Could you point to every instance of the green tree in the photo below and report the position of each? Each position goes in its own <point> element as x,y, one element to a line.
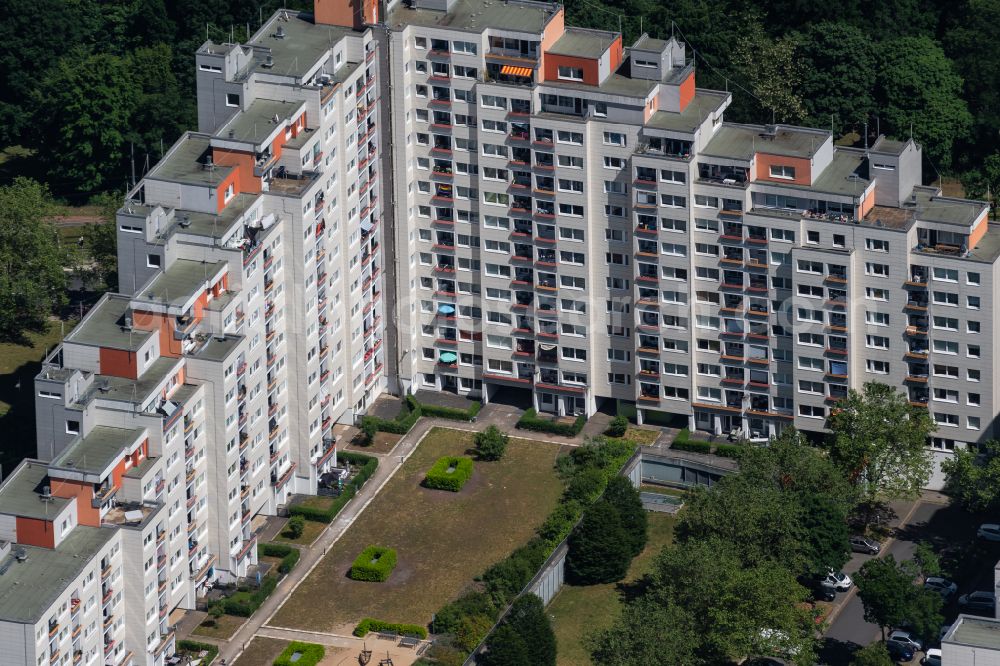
<point>838,74</point>
<point>890,598</point>
<point>771,69</point>
<point>32,279</point>
<point>618,427</point>
<point>101,242</point>
<point>918,88</point>
<point>84,105</point>
<point>984,182</point>
<point>825,537</point>
<point>599,548</point>
<point>528,618</point>
<point>972,477</point>
<point>879,442</point>
<point>368,427</point>
<point>926,560</point>
<point>296,526</point>
<point>624,497</point>
<point>491,443</point>
<point>874,654</point>
<point>723,610</point>
<point>505,648</point>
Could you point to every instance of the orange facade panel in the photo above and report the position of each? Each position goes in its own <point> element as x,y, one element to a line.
<point>36,532</point>
<point>801,168</point>
<point>119,363</point>
<point>589,67</point>
<point>687,90</point>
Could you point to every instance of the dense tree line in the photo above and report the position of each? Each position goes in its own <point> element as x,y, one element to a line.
<point>895,64</point>
<point>90,84</point>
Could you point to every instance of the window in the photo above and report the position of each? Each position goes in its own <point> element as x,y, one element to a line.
<point>783,235</point>
<point>942,419</point>
<point>232,99</point>
<point>876,245</point>
<point>877,318</point>
<point>877,367</point>
<point>72,427</point>
<point>563,136</point>
<point>812,237</point>
<point>972,278</point>
<point>877,270</point>
<point>668,176</point>
<point>614,163</point>
<point>945,274</point>
<point>779,171</point>
<point>945,395</point>
<point>614,139</point>
<point>703,201</point>
<point>811,411</point>
<point>972,302</point>
<point>153,260</point>
<point>570,162</point>
<point>672,201</point>
<point>571,73</point>
<point>874,294</point>
<point>945,298</point>
<point>876,342</point>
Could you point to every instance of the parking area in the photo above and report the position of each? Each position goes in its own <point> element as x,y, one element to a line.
<point>965,560</point>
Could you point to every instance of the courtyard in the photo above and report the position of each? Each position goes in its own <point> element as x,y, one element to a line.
<point>442,539</point>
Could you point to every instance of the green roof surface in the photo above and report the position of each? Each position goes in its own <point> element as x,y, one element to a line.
<point>28,589</point>
<point>185,163</point>
<point>101,447</point>
<point>19,494</point>
<point>104,326</point>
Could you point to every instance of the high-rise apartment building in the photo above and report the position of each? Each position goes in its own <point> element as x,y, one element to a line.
<point>575,220</point>
<point>562,217</point>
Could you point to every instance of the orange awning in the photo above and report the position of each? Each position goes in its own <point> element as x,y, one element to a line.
<point>511,70</point>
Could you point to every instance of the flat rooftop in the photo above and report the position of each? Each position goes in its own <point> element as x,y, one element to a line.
<point>704,104</point>
<point>185,163</point>
<point>256,123</point>
<point>209,225</point>
<point>131,514</point>
<point>988,248</point>
<point>615,84</point>
<point>104,326</point>
<point>647,43</point>
<point>975,631</point>
<point>583,43</point>
<point>478,15</point>
<point>134,391</point>
<point>215,349</point>
<point>28,589</point>
<point>19,494</point>
<point>98,449</point>
<point>888,146</point>
<point>740,142</point>
<point>303,45</point>
<point>947,210</point>
<point>180,282</point>
<point>847,174</point>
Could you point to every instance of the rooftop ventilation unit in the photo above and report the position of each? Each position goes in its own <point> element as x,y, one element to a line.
<point>279,33</point>
<point>268,61</point>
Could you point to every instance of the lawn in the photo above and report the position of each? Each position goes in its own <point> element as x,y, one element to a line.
<point>262,651</point>
<point>383,442</point>
<point>222,628</point>
<point>310,533</point>
<point>578,611</point>
<point>20,363</point>
<point>442,540</point>
<point>642,436</point>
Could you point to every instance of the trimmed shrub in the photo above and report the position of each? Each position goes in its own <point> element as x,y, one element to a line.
<point>296,526</point>
<point>530,421</point>
<point>371,624</point>
<point>367,465</point>
<point>728,450</point>
<point>245,603</point>
<point>449,473</point>
<point>505,579</point>
<point>560,522</point>
<point>289,555</point>
<point>473,603</point>
<point>310,654</point>
<point>692,445</point>
<point>195,648</point>
<point>374,564</point>
<point>618,427</point>
<point>491,443</point>
<point>445,412</point>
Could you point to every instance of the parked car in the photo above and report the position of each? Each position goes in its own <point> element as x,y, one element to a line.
<point>899,651</point>
<point>978,602</point>
<point>942,586</point>
<point>860,544</point>
<point>823,590</point>
<point>989,532</point>
<point>839,580</point>
<point>932,658</point>
<point>907,638</point>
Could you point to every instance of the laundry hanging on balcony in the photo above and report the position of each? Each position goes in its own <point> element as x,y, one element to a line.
<point>446,309</point>
<point>546,347</point>
<point>511,70</point>
<point>448,357</point>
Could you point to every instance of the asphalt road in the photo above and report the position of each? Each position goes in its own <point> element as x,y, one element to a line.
<point>941,524</point>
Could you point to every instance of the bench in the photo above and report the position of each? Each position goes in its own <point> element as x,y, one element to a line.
<point>388,635</point>
<point>409,641</point>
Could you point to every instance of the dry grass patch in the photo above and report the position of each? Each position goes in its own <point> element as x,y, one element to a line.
<point>310,533</point>
<point>442,540</point>
<point>222,629</point>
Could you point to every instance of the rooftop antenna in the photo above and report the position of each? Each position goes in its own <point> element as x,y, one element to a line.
<point>132,160</point>
<point>866,136</point>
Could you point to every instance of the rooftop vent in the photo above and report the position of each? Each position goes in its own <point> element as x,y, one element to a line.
<point>268,61</point>
<point>279,33</point>
<point>127,325</point>
<point>185,222</point>
<point>46,493</point>
<point>209,165</point>
<point>21,555</point>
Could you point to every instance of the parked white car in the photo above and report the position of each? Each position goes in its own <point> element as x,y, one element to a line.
<point>942,586</point>
<point>932,658</point>
<point>841,581</point>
